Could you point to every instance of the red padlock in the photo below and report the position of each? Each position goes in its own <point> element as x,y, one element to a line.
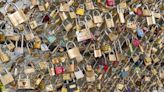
<point>105,68</point>
<point>110,2</point>
<point>59,70</point>
<point>136,42</point>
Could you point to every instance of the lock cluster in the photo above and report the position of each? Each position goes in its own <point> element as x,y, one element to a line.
<point>81,46</point>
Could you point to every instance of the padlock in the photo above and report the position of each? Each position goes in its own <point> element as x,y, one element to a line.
<point>29,36</point>
<point>71,67</point>
<point>110,2</point>
<point>148,61</point>
<point>112,56</point>
<point>34,2</point>
<point>51,38</point>
<point>63,16</point>
<point>43,65</point>
<point>89,5</point>
<point>71,86</point>
<point>146,11</point>
<point>24,83</point>
<point>2,36</point>
<point>18,17</point>
<point>150,20</point>
<point>6,78</point>
<point>121,14</point>
<point>89,21</point>
<point>59,69</point>
<point>123,5</point>
<point>140,32</point>
<point>72,13</point>
<point>14,37</point>
<point>80,10</point>
<point>4,57</point>
<point>109,20</point>
<point>66,76</point>
<point>64,7</point>
<point>131,23</point>
<point>67,25</point>
<point>19,50</point>
<point>51,70</point>
<point>29,69</point>
<point>44,47</point>
<point>161,73</point>
<point>112,36</point>
<point>10,45</point>
<point>49,88</point>
<point>79,74</point>
<point>39,79</point>
<point>33,24</point>
<point>83,34</point>
<point>73,52</point>
<point>97,18</point>
<point>97,52</point>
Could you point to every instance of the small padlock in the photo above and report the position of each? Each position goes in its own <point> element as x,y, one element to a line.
<point>97,52</point>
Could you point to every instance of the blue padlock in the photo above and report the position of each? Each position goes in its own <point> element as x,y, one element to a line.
<point>140,32</point>
<point>51,38</point>
<point>124,74</point>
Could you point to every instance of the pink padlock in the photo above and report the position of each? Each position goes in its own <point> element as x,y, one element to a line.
<point>110,2</point>
<point>136,42</point>
<point>59,70</point>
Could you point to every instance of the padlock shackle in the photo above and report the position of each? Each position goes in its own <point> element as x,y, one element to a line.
<point>70,42</point>
<point>88,16</point>
<point>10,4</point>
<point>106,16</point>
<point>107,31</point>
<point>96,13</point>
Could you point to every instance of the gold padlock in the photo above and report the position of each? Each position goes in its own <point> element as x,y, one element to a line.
<point>109,20</point>
<point>80,10</point>
<point>97,18</point>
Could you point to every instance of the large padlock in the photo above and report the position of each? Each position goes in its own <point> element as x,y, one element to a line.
<point>97,18</point>
<point>17,17</point>
<point>24,83</point>
<point>80,10</point>
<point>73,52</point>
<point>7,78</point>
<point>109,20</point>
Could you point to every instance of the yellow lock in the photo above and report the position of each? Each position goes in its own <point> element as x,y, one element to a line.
<point>80,10</point>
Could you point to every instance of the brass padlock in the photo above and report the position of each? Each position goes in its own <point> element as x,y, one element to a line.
<point>131,23</point>
<point>4,57</point>
<point>10,46</point>
<point>2,36</point>
<point>17,17</point>
<point>89,5</point>
<point>112,36</point>
<point>63,16</point>
<point>73,52</point>
<point>64,7</point>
